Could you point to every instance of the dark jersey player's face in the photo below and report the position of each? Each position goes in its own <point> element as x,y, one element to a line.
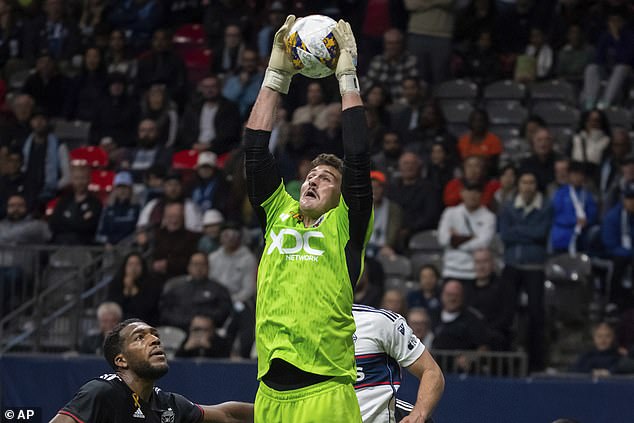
<point>320,191</point>
<point>143,352</point>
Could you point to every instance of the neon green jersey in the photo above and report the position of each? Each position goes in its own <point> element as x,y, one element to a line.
<point>304,293</point>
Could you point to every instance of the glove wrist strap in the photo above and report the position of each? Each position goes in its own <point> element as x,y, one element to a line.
<point>348,83</point>
<point>277,80</point>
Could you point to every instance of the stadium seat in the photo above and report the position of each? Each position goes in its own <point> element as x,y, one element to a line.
<point>571,276</point>
<point>171,339</point>
<point>421,259</point>
<point>18,78</point>
<point>504,91</point>
<point>71,132</point>
<point>505,132</point>
<point>188,36</point>
<point>425,241</point>
<point>562,136</point>
<point>101,183</point>
<point>50,206</point>
<point>557,114</point>
<point>515,148</point>
<point>457,89</point>
<point>457,112</point>
<point>619,117</point>
<point>198,62</point>
<point>95,157</point>
<point>185,159</point>
<point>399,266</point>
<point>511,114</point>
<point>554,89</point>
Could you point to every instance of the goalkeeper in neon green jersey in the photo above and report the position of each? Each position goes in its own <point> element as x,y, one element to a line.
<point>313,254</point>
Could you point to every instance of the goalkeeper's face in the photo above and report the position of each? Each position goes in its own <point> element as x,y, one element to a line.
<point>320,191</point>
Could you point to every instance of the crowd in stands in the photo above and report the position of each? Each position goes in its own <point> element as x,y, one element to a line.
<point>162,89</point>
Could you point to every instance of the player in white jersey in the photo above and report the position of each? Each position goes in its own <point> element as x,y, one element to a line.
<point>383,343</point>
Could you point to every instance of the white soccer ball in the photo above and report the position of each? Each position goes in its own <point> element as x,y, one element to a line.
<point>312,46</point>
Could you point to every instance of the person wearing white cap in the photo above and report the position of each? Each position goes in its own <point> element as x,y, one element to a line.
<point>210,191</point>
<point>210,241</point>
<point>118,219</point>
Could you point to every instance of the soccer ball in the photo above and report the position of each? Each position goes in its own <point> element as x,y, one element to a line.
<point>312,46</point>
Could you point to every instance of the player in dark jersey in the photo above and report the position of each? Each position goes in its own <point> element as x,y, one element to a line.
<point>133,349</point>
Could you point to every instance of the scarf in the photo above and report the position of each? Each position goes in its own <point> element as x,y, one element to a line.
<point>51,163</point>
<point>577,203</point>
<point>380,224</point>
<point>626,239</point>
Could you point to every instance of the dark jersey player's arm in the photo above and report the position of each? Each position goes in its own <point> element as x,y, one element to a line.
<point>263,176</point>
<point>356,186</point>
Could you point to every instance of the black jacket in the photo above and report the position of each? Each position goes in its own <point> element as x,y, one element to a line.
<point>227,124</point>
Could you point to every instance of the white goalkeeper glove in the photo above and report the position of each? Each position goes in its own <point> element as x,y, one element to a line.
<point>346,70</point>
<point>280,71</point>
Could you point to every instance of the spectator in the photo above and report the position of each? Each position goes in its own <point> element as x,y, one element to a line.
<point>118,59</point>
<point>173,243</point>
<point>46,85</point>
<point>45,160</point>
<point>108,316</point>
<point>481,61</point>
<point>542,160</point>
<point>153,182</point>
<point>494,298</point>
<point>573,57</point>
<point>138,19</point>
<point>615,193</point>
<point>218,16</point>
<point>163,65</point>
<point>148,150</point>
<point>427,295</point>
<point>431,128</point>
<point>376,100</point>
<point>441,168</point>
<point>613,163</point>
<point>86,89</point>
<point>614,59</point>
<point>152,213</point>
<point>16,127</point>
<point>135,290</point>
<point>211,190</point>
<point>525,140</point>
<point>429,32</point>
<point>419,320</point>
<point>617,233</point>
<point>603,357</point>
<point>210,122</point>
<point>478,17</point>
<point>415,196</point>
<point>542,53</point>
<point>369,289</point>
<point>387,219</point>
<point>185,296</point>
<point>203,340</point>
<point>116,116</point>
<point>53,32</point>
<point>228,55</point>
<point>387,159</point>
<point>524,225</point>
<point>158,107</point>
<point>312,111</point>
<point>325,134</point>
<point>508,185</point>
<point>93,16</point>
<point>118,219</point>
<point>479,141</point>
<point>462,230</point>
<point>233,264</point>
<point>276,18</point>
<point>12,31</point>
<point>574,210</point>
<point>561,177</point>
<point>76,214</point>
<point>459,327</point>
<point>12,181</point>
<point>473,171</point>
<point>392,66</point>
<point>404,113</point>
<point>394,300</point>
<point>242,88</point>
<point>591,141</point>
<point>210,240</point>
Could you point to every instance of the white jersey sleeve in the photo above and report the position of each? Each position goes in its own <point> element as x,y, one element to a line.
<point>401,344</point>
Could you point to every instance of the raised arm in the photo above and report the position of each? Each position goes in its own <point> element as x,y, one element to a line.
<point>228,412</point>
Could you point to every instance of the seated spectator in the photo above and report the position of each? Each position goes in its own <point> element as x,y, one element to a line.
<point>615,193</point>
<point>243,87</point>
<point>173,243</point>
<point>394,300</point>
<point>211,190</point>
<point>137,18</point>
<point>508,179</point>
<point>479,141</point>
<point>210,121</point>
<point>481,60</point>
<point>203,340</point>
<point>45,160</point>
<point>603,357</point>
<point>116,116</point>
<point>393,65</point>
<point>54,31</point>
<point>16,125</point>
<point>527,132</point>
<point>152,213</point>
<point>325,135</point>
<point>119,217</point>
<point>574,210</point>
<point>386,160</point>
<point>431,128</point>
<point>591,141</point>
<point>147,152</point>
<point>233,264</point>
<point>387,219</point>
<point>415,196</point>
<point>573,57</point>
<point>118,58</point>
<point>228,53</point>
<point>275,19</point>
<point>13,29</point>
<point>369,289</point>
<point>427,295</point>
<point>473,173</point>
<point>542,53</point>
<point>158,106</point>
<point>12,180</point>
<point>163,65</point>
<point>441,167</point>
<point>543,157</point>
<point>613,61</point>
<point>377,101</point>
<point>93,16</point>
<point>472,20</point>
<point>613,163</point>
<point>462,230</point>
<point>109,314</point>
<point>312,111</point>
<point>210,239</point>
<point>87,89</point>
<point>617,233</point>
<point>494,298</point>
<point>47,85</point>
<point>561,177</point>
<point>135,290</point>
<point>195,293</point>
<point>405,113</point>
<point>76,215</point>
<point>152,186</point>
<point>524,225</point>
<point>419,320</point>
<point>459,327</point>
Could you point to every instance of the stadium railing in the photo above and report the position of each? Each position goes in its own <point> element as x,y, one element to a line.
<point>482,363</point>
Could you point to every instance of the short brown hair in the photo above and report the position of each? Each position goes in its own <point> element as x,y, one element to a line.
<point>328,160</point>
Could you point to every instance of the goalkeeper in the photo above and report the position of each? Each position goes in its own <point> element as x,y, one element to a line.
<point>313,254</point>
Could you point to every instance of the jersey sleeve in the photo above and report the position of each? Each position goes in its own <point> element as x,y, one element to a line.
<point>190,412</point>
<point>401,344</point>
<point>90,404</point>
<point>275,203</point>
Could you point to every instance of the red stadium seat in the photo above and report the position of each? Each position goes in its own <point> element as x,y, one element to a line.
<point>101,183</point>
<point>198,63</point>
<point>95,157</point>
<point>189,35</point>
<point>185,159</point>
<point>50,206</point>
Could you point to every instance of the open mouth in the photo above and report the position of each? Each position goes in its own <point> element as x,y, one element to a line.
<point>158,352</point>
<point>310,194</point>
